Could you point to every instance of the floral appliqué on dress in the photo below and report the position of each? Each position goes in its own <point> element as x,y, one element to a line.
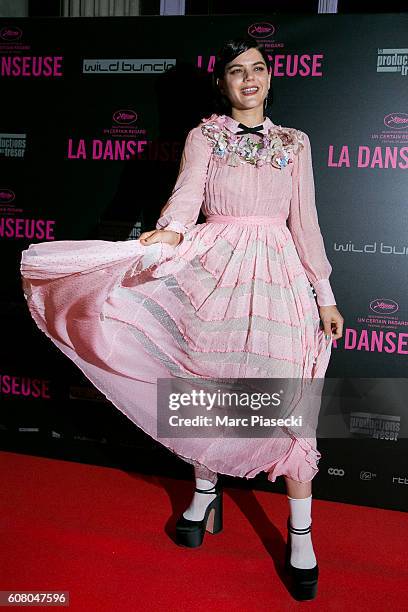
<point>276,147</point>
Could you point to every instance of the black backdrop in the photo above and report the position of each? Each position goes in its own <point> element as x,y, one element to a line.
<point>70,169</point>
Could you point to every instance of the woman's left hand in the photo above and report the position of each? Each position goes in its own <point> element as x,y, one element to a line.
<point>332,321</point>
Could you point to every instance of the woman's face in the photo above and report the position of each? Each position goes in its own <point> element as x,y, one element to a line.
<point>246,80</point>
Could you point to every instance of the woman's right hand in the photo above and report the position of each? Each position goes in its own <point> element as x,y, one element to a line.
<point>167,236</point>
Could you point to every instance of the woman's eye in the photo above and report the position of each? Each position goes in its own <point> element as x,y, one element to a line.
<point>261,68</point>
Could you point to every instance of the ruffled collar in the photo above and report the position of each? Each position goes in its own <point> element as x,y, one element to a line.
<point>275,145</point>
<point>232,125</point>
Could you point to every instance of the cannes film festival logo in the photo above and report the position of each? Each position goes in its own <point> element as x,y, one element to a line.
<point>384,306</point>
<point>7,196</point>
<point>9,34</point>
<point>124,117</point>
<point>262,29</point>
<point>396,121</point>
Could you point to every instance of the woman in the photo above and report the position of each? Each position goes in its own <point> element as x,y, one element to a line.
<point>231,297</point>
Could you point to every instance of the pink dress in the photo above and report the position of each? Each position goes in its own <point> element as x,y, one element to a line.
<point>235,299</point>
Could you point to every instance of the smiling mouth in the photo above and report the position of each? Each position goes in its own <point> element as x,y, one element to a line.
<point>249,91</point>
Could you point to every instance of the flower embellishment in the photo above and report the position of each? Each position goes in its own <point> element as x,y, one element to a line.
<point>277,147</point>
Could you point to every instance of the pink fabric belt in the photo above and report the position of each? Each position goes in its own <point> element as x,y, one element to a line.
<point>253,220</point>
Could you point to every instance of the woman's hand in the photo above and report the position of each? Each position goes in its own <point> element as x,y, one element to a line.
<point>332,321</point>
<point>167,236</point>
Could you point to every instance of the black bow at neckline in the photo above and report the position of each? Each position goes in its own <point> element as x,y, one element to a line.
<point>250,130</point>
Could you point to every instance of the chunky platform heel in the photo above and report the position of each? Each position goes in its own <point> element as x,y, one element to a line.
<point>191,533</point>
<point>304,581</point>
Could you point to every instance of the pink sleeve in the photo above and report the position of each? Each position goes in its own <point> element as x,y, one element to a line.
<point>304,226</point>
<point>183,207</point>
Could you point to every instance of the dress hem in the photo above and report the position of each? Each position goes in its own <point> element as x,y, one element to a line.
<point>248,475</point>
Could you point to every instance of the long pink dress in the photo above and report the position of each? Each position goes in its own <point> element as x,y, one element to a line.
<point>234,299</point>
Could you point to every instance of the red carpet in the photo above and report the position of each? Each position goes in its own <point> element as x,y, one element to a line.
<point>105,536</point>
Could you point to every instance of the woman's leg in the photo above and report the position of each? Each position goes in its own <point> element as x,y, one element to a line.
<point>204,479</point>
<point>300,505</point>
<point>298,490</point>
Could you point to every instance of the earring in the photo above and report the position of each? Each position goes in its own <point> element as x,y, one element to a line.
<point>266,100</point>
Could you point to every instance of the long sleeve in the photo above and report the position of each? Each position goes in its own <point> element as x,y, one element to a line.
<point>183,207</point>
<point>304,226</point>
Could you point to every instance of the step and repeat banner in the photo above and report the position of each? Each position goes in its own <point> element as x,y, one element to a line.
<point>94,114</point>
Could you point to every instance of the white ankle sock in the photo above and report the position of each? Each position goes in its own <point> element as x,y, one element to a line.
<point>200,501</point>
<point>303,555</point>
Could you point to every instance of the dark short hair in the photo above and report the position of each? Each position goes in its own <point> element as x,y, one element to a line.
<point>228,52</point>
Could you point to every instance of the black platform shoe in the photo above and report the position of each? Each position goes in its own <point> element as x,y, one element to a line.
<point>191,533</point>
<point>304,581</point>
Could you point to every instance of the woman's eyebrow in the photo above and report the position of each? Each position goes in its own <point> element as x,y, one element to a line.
<point>240,65</point>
